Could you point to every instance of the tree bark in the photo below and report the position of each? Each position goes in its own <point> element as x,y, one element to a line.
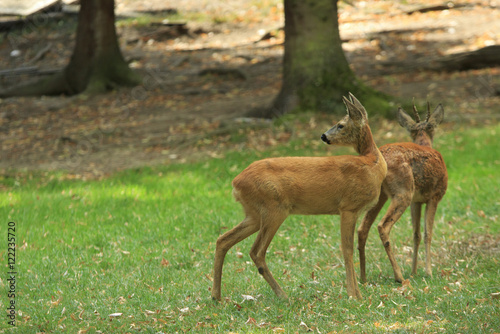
<point>315,70</point>
<point>96,65</point>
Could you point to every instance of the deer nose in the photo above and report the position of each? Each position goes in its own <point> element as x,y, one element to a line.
<point>323,138</point>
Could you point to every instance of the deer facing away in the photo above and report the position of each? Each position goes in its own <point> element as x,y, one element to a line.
<point>269,190</point>
<point>416,175</point>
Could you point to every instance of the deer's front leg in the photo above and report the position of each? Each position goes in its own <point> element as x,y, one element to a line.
<point>347,228</point>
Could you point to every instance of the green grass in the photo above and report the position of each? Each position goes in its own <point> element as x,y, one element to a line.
<point>141,243</point>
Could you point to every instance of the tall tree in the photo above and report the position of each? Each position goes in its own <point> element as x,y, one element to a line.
<point>97,63</point>
<point>316,73</point>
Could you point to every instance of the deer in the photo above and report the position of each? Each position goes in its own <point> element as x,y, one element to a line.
<point>270,190</point>
<point>416,175</point>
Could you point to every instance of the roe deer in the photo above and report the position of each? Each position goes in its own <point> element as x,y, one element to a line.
<point>416,175</point>
<point>269,190</point>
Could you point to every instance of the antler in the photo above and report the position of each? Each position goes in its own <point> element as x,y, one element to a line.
<point>417,117</point>
<point>428,111</point>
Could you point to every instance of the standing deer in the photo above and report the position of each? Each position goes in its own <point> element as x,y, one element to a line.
<point>416,175</point>
<point>269,190</point>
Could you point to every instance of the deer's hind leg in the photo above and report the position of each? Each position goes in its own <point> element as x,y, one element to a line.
<point>416,212</point>
<point>247,227</point>
<point>364,229</point>
<point>399,185</point>
<point>430,212</point>
<point>271,221</point>
<point>397,207</point>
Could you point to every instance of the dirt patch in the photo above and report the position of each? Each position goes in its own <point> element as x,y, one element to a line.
<point>179,114</point>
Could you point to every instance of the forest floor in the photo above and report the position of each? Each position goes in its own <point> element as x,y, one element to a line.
<point>201,79</point>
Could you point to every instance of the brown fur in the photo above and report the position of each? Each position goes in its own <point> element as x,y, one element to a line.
<point>269,190</point>
<point>416,175</point>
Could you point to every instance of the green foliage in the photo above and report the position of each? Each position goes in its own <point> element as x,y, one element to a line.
<point>139,246</point>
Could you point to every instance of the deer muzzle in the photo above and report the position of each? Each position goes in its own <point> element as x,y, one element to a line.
<point>325,139</point>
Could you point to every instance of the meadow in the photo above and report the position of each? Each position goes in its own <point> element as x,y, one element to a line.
<point>133,252</point>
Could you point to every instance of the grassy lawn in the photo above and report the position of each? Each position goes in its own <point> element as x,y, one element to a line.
<point>134,253</point>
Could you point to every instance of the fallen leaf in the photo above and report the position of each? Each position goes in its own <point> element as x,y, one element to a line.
<point>262,324</point>
<point>303,324</point>
<point>83,331</point>
<point>406,282</point>
<point>55,303</point>
<point>164,262</point>
<point>115,315</point>
<point>247,297</point>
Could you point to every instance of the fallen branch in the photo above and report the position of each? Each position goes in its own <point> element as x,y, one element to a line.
<point>482,58</point>
<point>446,6</point>
<point>27,70</point>
<point>486,57</point>
<point>40,54</point>
<point>237,73</point>
<point>18,71</point>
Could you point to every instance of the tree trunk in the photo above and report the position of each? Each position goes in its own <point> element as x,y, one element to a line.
<point>315,70</point>
<point>96,65</point>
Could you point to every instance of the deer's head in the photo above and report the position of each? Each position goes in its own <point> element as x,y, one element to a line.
<point>347,131</point>
<point>421,132</point>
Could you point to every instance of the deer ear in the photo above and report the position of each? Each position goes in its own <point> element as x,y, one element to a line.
<point>404,119</point>
<point>354,100</point>
<point>437,115</point>
<point>353,111</point>
<point>358,104</point>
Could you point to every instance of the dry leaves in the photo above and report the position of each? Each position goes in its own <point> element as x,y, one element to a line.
<point>115,315</point>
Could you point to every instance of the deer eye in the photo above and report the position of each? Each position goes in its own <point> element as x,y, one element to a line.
<point>340,126</point>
